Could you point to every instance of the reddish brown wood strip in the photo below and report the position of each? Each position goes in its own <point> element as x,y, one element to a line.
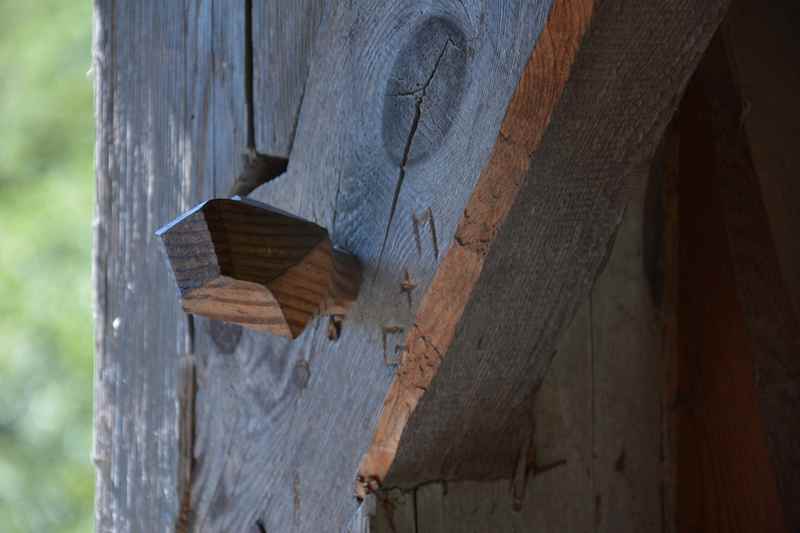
<point>441,309</point>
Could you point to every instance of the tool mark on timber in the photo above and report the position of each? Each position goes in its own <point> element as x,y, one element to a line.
<point>417,221</point>
<point>393,358</point>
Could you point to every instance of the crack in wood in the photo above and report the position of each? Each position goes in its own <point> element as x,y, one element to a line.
<point>420,98</point>
<point>248,74</point>
<point>258,169</point>
<point>187,392</point>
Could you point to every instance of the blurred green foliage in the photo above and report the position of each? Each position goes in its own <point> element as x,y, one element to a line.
<point>46,199</point>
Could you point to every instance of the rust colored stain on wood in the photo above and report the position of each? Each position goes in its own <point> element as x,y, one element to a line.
<point>529,111</point>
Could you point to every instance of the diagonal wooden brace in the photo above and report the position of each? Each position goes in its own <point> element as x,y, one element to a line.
<point>245,262</point>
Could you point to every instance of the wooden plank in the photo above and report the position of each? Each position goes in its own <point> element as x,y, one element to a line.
<point>763,46</point>
<point>395,512</point>
<point>170,116</point>
<point>596,462</point>
<point>621,94</point>
<point>737,331</point>
<point>284,32</point>
<point>281,426</point>
<point>529,112</point>
<point>761,215</point>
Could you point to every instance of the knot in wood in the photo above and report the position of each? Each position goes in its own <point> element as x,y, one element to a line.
<point>247,263</point>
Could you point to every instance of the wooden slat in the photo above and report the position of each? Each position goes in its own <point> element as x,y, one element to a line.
<point>170,117</point>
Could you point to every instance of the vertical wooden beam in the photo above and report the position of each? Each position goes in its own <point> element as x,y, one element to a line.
<point>284,33</point>
<point>727,477</point>
<point>763,47</point>
<point>169,80</point>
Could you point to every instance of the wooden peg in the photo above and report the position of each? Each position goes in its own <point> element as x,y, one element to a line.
<point>245,262</point>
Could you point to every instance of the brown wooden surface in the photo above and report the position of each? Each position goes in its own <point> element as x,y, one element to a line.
<point>763,214</point>
<point>764,45</point>
<point>245,263</point>
<point>729,389</point>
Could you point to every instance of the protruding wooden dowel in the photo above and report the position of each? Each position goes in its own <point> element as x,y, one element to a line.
<point>245,262</point>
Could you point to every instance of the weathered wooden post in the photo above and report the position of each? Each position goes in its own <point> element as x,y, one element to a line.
<point>476,158</point>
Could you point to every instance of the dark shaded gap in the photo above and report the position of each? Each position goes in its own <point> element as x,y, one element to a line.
<point>248,75</point>
<point>258,168</point>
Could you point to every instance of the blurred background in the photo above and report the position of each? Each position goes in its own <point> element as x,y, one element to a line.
<point>46,209</point>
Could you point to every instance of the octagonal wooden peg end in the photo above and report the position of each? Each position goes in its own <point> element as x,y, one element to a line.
<point>245,262</point>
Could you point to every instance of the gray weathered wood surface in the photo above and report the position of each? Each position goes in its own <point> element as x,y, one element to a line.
<point>170,129</point>
<point>283,40</point>
<point>624,87</point>
<point>597,461</point>
<point>280,428</point>
<point>295,418</point>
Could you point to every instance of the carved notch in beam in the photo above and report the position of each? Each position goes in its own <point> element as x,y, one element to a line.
<point>245,262</point>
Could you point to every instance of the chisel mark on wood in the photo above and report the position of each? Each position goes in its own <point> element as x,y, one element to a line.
<point>391,356</point>
<point>334,327</point>
<point>296,497</point>
<point>407,286</point>
<point>417,221</point>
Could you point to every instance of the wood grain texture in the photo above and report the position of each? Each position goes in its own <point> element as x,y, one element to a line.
<point>596,461</point>
<point>622,91</point>
<point>246,263</point>
<point>284,32</point>
<point>527,117</point>
<point>737,331</point>
<point>170,116</point>
<point>281,426</point>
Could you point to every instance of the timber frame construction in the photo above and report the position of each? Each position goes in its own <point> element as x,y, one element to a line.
<point>569,298</point>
